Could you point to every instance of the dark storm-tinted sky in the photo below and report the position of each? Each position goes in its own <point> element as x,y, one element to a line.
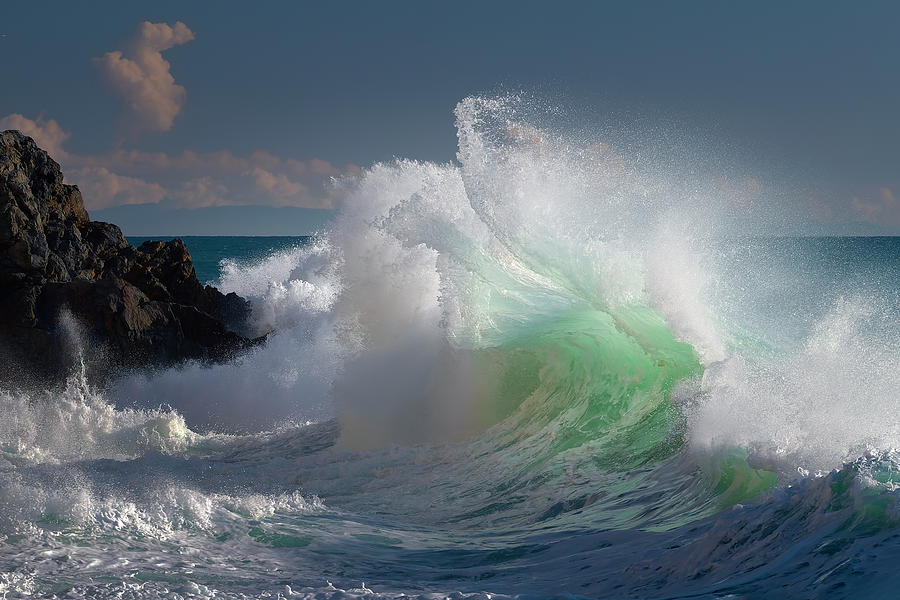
<point>807,90</point>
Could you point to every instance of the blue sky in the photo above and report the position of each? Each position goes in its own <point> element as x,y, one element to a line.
<point>262,103</point>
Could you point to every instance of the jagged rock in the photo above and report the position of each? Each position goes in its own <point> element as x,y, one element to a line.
<point>61,272</point>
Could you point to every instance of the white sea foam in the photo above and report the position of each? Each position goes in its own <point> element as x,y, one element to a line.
<point>425,259</point>
<point>77,422</point>
<point>830,402</point>
<point>378,324</point>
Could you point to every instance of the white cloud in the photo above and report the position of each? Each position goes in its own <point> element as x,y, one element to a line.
<point>279,186</point>
<point>47,133</point>
<point>141,76</point>
<point>101,188</point>
<point>258,178</point>
<point>189,179</point>
<point>200,192</point>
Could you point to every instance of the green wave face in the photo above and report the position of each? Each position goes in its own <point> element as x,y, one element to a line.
<point>591,378</point>
<point>583,412</point>
<point>549,340</point>
<point>561,297</point>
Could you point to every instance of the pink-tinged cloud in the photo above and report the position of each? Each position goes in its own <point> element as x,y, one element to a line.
<point>201,192</point>
<point>883,209</point>
<point>222,162</point>
<point>259,178</point>
<point>140,75</point>
<point>47,133</point>
<point>278,185</point>
<point>189,179</point>
<point>101,188</point>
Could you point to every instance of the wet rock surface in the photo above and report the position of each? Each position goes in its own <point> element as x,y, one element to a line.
<point>67,282</point>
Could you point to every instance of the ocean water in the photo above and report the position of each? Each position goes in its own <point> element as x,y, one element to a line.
<point>537,372</point>
<point>208,251</point>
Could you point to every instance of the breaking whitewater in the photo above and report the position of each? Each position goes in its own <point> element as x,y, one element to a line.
<point>542,371</point>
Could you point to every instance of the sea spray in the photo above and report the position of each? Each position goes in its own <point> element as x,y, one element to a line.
<point>828,402</point>
<point>537,369</point>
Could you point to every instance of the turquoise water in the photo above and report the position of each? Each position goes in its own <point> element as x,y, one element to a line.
<point>522,375</point>
<point>208,251</point>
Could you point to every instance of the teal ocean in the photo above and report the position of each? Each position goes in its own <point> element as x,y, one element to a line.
<point>537,373</point>
<point>208,252</point>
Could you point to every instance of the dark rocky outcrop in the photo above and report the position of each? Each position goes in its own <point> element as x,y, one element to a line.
<point>61,273</point>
